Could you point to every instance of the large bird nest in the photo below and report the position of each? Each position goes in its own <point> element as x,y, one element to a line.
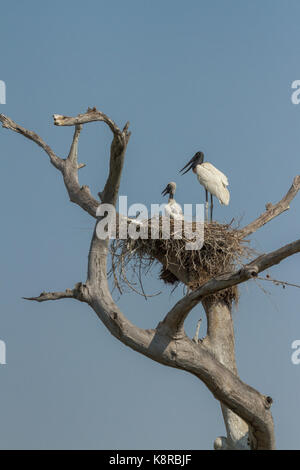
<point>222,251</point>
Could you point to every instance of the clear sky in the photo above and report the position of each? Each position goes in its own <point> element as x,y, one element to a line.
<point>197,75</point>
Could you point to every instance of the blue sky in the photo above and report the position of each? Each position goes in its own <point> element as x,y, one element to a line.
<point>201,75</point>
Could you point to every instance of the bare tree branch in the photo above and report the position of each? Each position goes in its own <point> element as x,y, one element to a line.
<point>79,293</point>
<point>81,195</point>
<point>91,115</point>
<point>117,152</point>
<point>175,318</point>
<point>73,153</point>
<point>44,296</point>
<point>8,123</point>
<point>272,211</point>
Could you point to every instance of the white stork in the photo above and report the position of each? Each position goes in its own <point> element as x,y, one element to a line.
<point>172,209</point>
<point>213,180</point>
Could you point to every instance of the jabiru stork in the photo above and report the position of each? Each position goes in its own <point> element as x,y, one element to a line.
<point>172,209</point>
<point>213,180</point>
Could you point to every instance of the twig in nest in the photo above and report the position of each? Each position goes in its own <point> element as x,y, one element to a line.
<point>118,272</point>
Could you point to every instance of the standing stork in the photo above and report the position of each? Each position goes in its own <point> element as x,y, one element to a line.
<point>172,209</point>
<point>213,180</point>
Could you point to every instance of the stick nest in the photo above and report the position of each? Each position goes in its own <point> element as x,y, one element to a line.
<point>222,251</point>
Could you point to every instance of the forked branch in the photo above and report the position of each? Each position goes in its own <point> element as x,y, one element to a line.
<point>79,293</point>
<point>117,151</point>
<point>8,123</point>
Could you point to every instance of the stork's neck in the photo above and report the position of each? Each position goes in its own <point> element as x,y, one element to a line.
<point>171,197</point>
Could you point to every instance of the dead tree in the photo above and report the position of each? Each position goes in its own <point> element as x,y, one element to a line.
<point>246,411</point>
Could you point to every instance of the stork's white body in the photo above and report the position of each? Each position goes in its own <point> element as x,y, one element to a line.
<point>173,210</point>
<point>214,181</point>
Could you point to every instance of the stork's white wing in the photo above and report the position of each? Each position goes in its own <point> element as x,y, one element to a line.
<point>214,171</point>
<point>214,181</point>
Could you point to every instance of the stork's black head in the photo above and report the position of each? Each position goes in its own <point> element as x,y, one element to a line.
<point>197,159</point>
<point>169,189</point>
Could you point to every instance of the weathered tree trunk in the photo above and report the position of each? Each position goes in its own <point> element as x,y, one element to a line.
<point>220,342</point>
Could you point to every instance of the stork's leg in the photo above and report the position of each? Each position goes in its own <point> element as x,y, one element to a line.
<point>211,206</point>
<point>206,205</point>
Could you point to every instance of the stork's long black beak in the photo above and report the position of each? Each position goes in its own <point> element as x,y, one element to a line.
<point>165,191</point>
<point>188,166</point>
